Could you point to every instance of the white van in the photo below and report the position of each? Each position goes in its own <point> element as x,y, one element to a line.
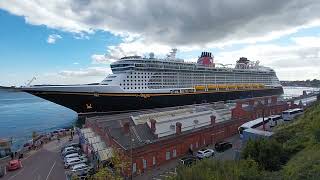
<point>288,115</point>
<point>275,120</point>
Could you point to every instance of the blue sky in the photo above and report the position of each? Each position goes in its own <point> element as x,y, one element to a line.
<point>83,45</point>
<point>25,51</point>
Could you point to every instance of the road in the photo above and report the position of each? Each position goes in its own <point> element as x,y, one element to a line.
<point>44,164</point>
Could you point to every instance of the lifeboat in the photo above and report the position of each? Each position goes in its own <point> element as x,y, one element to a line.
<point>232,86</point>
<point>222,86</point>
<point>200,87</point>
<point>212,86</point>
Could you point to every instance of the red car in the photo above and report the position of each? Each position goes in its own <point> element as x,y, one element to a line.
<point>14,165</point>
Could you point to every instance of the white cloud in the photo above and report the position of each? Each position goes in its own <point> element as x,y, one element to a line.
<point>198,23</point>
<point>299,60</point>
<point>91,71</point>
<point>52,38</point>
<point>101,59</point>
<point>130,48</point>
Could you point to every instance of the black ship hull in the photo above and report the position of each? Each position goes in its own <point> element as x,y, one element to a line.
<point>91,103</point>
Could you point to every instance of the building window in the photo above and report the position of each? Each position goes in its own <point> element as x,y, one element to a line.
<point>153,160</point>
<point>144,162</point>
<point>134,167</point>
<point>174,153</point>
<point>167,155</point>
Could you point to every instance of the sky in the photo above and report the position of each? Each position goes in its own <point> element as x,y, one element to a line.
<point>74,41</point>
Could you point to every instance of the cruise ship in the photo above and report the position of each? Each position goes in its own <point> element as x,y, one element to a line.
<point>147,82</point>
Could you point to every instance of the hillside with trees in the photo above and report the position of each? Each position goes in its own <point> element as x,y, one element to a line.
<point>292,153</point>
<point>307,83</point>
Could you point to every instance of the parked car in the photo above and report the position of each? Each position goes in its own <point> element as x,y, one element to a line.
<point>74,155</point>
<point>14,165</point>
<point>80,167</point>
<point>222,146</point>
<point>205,153</point>
<point>70,149</point>
<point>69,152</point>
<point>75,145</point>
<point>74,161</point>
<point>81,158</point>
<point>188,161</point>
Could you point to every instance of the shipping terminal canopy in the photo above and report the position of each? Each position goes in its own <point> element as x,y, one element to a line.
<point>99,146</point>
<point>86,130</point>
<point>93,140</point>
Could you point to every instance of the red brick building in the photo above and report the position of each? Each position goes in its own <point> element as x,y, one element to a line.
<point>147,150</point>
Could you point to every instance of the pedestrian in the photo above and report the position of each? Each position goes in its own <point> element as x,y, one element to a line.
<point>12,156</point>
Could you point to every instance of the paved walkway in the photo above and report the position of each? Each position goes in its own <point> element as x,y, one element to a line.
<point>43,164</point>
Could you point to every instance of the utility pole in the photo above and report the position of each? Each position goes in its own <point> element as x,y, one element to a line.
<point>264,127</point>
<point>131,159</point>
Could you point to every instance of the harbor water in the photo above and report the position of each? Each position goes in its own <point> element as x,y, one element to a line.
<point>22,113</point>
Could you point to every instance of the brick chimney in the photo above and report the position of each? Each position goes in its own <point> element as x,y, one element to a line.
<point>178,128</point>
<point>153,125</point>
<point>274,99</point>
<point>239,104</point>
<point>251,102</point>
<point>126,127</point>
<point>213,120</point>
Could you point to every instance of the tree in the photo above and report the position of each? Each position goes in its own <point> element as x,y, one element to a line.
<point>34,135</point>
<point>117,165</point>
<point>269,154</point>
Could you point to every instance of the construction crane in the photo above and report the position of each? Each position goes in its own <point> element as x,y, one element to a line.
<point>29,83</point>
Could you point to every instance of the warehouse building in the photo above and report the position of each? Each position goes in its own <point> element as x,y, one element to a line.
<point>150,139</point>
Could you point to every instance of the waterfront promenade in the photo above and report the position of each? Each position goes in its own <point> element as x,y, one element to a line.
<point>42,164</point>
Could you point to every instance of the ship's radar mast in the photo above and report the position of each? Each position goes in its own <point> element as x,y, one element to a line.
<point>172,54</point>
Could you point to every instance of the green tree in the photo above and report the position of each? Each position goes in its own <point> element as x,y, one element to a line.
<point>269,154</point>
<point>118,164</point>
<point>34,134</point>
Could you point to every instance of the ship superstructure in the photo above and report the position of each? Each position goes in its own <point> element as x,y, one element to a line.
<point>148,75</point>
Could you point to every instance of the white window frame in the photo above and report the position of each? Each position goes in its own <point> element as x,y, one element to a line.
<point>134,167</point>
<point>168,155</point>
<point>144,163</point>
<point>153,160</point>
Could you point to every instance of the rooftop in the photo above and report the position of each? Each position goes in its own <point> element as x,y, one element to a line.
<point>139,133</point>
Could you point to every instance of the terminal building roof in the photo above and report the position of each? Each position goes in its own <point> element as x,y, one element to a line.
<point>139,133</point>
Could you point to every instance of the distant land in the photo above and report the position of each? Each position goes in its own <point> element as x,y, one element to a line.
<point>307,83</point>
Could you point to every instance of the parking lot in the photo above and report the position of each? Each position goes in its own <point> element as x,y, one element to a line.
<point>43,164</point>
